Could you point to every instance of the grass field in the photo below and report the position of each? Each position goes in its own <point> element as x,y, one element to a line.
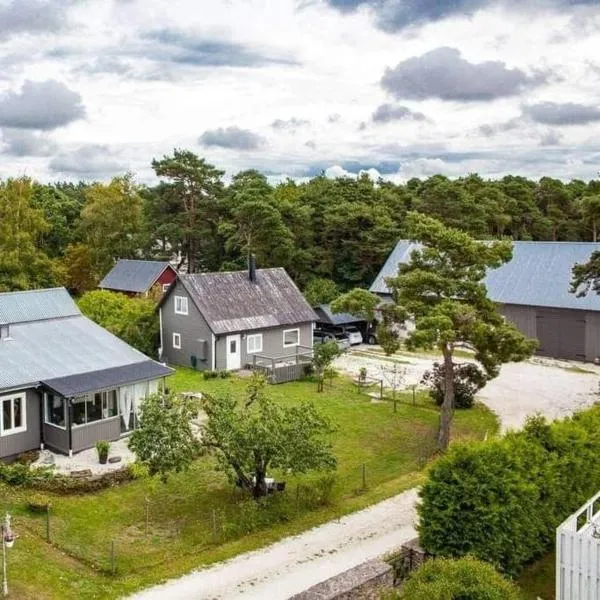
<point>190,518</point>
<point>537,581</point>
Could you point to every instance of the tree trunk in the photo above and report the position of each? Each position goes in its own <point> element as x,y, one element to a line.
<point>447,410</point>
<point>260,485</point>
<point>595,228</point>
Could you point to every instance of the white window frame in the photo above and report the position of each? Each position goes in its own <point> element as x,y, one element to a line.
<point>297,330</point>
<point>166,286</point>
<point>12,398</point>
<point>184,303</point>
<point>177,345</point>
<point>257,348</point>
<point>46,420</point>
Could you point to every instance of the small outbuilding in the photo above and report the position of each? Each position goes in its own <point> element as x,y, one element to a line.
<point>139,277</point>
<point>532,291</point>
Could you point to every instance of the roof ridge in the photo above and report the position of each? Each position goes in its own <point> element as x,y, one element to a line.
<point>183,275</point>
<point>35,291</point>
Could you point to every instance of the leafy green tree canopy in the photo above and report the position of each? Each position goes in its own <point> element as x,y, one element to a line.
<point>134,320</point>
<point>321,291</point>
<point>165,441</point>
<point>251,438</point>
<point>359,302</point>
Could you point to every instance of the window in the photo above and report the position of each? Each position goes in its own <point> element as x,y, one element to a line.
<point>94,407</point>
<point>254,343</point>
<point>177,341</point>
<point>233,347</point>
<point>291,337</point>
<point>12,416</point>
<point>56,410</point>
<point>181,305</point>
<point>165,286</point>
<point>110,406</point>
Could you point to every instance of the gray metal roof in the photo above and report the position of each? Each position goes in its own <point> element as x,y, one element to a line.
<point>46,349</point>
<point>230,302</point>
<point>133,275</point>
<point>82,383</point>
<point>325,315</point>
<point>539,274</point>
<point>36,305</point>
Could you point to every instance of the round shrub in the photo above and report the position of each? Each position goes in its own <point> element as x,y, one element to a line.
<point>487,500</point>
<point>454,579</point>
<point>468,380</point>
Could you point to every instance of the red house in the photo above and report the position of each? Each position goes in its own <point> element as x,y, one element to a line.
<point>138,277</point>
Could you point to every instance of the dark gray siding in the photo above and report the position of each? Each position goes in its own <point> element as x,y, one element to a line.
<point>592,336</point>
<point>561,332</point>
<point>272,344</point>
<point>56,438</point>
<point>192,328</point>
<point>86,436</point>
<point>16,443</point>
<point>523,317</point>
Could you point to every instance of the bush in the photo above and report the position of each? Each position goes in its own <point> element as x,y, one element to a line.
<point>38,503</point>
<point>207,374</point>
<point>468,380</point>
<point>465,578</point>
<point>23,474</point>
<point>502,500</point>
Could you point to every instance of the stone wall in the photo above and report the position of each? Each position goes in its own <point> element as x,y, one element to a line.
<point>365,582</point>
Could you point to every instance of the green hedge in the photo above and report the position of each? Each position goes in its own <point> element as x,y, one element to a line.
<point>464,578</point>
<point>502,500</point>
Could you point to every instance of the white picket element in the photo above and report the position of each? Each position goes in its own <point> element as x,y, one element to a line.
<point>578,554</point>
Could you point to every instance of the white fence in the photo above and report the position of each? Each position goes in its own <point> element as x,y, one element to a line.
<point>578,554</point>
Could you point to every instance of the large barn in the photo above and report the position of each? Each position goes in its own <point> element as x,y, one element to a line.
<point>533,293</point>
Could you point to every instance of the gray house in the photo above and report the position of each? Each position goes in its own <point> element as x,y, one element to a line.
<point>65,382</point>
<point>533,293</point>
<point>224,320</point>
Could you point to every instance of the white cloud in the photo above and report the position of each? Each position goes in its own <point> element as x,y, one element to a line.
<point>157,75</point>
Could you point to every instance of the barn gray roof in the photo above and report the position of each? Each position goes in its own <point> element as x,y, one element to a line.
<point>325,315</point>
<point>56,344</point>
<point>539,274</point>
<point>230,302</point>
<point>133,275</point>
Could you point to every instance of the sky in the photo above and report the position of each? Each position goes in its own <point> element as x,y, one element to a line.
<point>90,89</point>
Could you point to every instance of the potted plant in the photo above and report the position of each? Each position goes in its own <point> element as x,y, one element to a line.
<point>102,447</point>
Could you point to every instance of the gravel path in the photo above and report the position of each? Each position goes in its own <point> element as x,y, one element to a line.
<point>296,563</point>
<point>553,388</point>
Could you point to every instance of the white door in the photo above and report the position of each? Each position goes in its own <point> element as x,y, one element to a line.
<point>234,352</point>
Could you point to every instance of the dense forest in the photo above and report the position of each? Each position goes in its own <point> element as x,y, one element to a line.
<point>330,234</point>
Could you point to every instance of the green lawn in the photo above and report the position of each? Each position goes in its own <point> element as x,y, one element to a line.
<point>537,581</point>
<point>192,517</point>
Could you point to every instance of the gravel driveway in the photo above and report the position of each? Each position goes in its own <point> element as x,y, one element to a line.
<point>553,388</point>
<point>296,563</point>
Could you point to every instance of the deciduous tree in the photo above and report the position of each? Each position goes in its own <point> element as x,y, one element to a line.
<point>249,438</point>
<point>165,441</point>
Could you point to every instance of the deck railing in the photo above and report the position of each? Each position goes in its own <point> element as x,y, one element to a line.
<point>281,369</point>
